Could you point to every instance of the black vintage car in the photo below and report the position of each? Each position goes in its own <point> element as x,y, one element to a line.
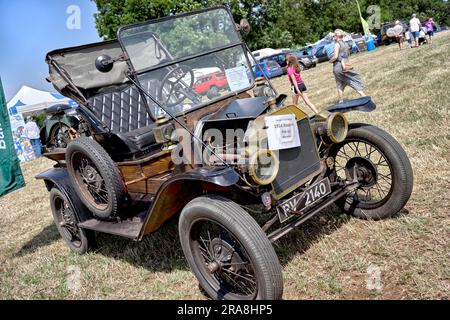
<point>146,147</point>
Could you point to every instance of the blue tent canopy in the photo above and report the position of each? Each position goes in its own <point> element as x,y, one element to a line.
<point>13,109</point>
<point>18,104</point>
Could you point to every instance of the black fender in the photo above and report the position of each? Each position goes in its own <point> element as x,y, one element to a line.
<point>59,178</point>
<point>177,191</point>
<point>364,104</point>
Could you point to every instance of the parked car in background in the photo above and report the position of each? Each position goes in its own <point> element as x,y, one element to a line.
<point>306,62</point>
<point>211,83</point>
<point>271,69</point>
<point>321,55</point>
<point>262,53</point>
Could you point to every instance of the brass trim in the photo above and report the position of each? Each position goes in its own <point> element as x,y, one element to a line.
<point>297,185</point>
<point>330,129</point>
<point>253,167</point>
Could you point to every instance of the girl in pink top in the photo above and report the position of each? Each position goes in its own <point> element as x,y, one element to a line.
<point>298,87</point>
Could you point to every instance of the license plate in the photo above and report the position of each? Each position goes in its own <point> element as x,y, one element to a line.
<point>304,200</point>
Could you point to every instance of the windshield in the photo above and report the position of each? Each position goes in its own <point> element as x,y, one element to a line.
<point>187,61</point>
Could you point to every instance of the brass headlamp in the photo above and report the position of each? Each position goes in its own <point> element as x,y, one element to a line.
<point>331,127</point>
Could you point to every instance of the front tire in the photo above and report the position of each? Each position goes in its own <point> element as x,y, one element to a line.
<point>228,252</point>
<point>383,168</point>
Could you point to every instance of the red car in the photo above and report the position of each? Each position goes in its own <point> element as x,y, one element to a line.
<point>211,82</point>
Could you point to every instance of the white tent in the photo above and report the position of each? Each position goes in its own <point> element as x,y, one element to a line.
<point>29,100</point>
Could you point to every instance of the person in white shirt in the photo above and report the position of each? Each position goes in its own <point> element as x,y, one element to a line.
<point>415,26</point>
<point>399,33</point>
<point>32,131</point>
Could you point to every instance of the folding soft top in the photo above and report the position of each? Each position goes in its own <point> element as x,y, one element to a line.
<point>79,64</point>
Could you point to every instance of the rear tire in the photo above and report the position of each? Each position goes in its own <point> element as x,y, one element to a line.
<point>394,178</point>
<point>96,178</point>
<point>78,239</point>
<point>228,252</point>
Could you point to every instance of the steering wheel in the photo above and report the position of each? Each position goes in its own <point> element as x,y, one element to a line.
<point>173,86</point>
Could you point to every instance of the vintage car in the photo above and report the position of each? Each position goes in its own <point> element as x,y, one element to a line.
<point>238,170</point>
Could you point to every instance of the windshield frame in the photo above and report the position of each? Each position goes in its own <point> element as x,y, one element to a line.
<point>239,43</point>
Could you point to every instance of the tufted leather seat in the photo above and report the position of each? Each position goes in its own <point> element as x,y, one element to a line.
<point>125,114</point>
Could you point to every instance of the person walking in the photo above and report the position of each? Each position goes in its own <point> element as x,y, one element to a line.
<point>343,77</point>
<point>414,26</point>
<point>31,131</point>
<point>298,86</point>
<point>430,25</point>
<point>399,34</point>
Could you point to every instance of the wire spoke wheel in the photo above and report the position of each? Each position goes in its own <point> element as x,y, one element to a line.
<point>59,136</point>
<point>228,251</point>
<point>375,174</point>
<point>79,240</point>
<point>96,178</point>
<point>379,163</point>
<point>90,180</point>
<point>226,265</point>
<point>67,222</point>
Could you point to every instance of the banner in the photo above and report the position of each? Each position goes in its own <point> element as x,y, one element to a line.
<point>10,173</point>
<point>363,21</point>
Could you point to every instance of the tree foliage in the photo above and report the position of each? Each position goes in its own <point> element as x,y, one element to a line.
<point>275,23</point>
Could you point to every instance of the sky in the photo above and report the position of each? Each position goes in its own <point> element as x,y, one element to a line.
<point>31,28</point>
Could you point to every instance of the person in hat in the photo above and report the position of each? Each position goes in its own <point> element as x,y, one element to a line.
<point>345,76</point>
<point>399,34</point>
<point>414,27</point>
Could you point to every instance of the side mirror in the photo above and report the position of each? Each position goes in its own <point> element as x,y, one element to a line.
<point>244,26</point>
<point>104,63</point>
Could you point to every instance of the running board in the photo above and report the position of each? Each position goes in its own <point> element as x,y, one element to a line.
<point>127,228</point>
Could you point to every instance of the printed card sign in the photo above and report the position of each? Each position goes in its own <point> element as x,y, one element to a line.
<point>237,78</point>
<point>282,132</point>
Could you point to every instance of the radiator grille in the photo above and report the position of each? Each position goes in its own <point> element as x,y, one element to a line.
<point>297,165</point>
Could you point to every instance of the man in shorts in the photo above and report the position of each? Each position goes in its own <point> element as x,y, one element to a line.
<point>414,26</point>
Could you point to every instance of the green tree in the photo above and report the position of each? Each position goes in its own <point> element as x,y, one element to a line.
<point>276,23</point>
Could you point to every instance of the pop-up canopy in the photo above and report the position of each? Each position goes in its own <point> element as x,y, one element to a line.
<point>29,100</point>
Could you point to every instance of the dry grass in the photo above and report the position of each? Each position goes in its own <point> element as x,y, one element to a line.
<point>327,258</point>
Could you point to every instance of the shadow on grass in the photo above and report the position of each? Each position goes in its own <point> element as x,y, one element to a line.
<point>47,236</point>
<point>325,223</point>
<point>157,252</point>
<point>302,238</point>
<point>162,252</point>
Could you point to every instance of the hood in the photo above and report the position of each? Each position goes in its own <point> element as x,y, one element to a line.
<point>249,108</point>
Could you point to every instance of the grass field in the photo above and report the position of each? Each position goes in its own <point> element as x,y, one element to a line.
<point>333,256</point>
